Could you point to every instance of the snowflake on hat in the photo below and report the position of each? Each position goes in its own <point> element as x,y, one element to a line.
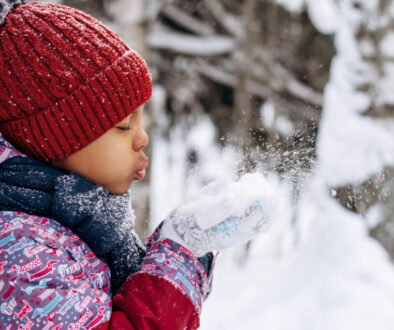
<point>6,6</point>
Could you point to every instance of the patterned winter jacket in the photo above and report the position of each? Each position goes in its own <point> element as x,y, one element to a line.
<point>50,279</point>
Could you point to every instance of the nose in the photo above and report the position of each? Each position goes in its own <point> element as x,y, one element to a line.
<point>141,139</point>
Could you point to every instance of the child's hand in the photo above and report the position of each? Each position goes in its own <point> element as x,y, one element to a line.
<point>226,213</point>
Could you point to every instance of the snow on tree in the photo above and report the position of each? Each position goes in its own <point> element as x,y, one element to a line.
<point>356,139</point>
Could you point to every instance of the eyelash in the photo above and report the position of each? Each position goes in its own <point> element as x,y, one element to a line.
<point>126,128</point>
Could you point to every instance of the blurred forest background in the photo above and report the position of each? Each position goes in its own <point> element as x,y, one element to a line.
<point>302,90</point>
<point>258,68</point>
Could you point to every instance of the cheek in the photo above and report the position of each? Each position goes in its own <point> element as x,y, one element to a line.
<point>117,164</point>
<point>111,161</point>
<point>112,165</point>
<point>111,152</point>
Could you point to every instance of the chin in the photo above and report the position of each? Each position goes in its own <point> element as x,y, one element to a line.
<point>119,190</point>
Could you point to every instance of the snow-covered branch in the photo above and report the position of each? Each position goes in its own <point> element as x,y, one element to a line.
<point>212,45</point>
<point>229,22</point>
<point>221,76</point>
<point>186,21</point>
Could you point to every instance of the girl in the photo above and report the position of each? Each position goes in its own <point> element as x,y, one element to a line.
<point>72,96</point>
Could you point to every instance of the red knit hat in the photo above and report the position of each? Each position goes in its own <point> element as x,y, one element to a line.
<point>65,79</point>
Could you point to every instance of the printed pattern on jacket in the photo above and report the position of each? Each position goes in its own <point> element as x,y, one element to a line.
<point>7,151</point>
<point>49,278</point>
<point>168,259</point>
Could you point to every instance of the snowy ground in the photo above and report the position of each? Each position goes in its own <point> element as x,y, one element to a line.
<point>335,278</point>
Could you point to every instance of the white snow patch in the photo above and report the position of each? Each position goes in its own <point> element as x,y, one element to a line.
<point>167,189</point>
<point>385,85</point>
<point>324,15</point>
<point>267,113</point>
<point>351,147</point>
<point>387,45</point>
<point>294,6</point>
<point>186,44</point>
<point>284,125</point>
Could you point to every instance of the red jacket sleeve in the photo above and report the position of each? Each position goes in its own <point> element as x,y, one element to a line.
<point>167,293</point>
<point>151,302</point>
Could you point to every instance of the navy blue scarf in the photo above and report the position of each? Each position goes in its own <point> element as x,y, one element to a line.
<point>103,221</point>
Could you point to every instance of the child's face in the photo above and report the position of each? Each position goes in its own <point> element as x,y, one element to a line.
<point>115,159</point>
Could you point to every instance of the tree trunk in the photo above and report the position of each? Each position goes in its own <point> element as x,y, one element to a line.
<point>242,113</point>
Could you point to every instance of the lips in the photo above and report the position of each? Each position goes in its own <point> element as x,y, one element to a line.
<point>142,170</point>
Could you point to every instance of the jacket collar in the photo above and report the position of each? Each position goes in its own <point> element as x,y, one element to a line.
<point>7,151</point>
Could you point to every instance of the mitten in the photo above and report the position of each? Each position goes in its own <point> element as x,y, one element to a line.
<point>223,215</point>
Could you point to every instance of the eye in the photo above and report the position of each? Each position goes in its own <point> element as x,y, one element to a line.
<point>123,128</point>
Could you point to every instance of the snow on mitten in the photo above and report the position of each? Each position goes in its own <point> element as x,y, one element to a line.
<point>225,214</point>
